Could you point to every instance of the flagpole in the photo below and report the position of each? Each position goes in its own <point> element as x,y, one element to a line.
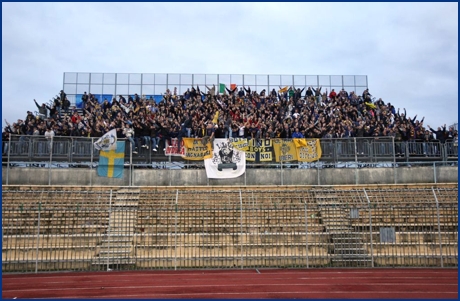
<point>130,163</point>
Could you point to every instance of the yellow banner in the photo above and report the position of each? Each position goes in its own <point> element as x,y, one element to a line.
<point>310,152</point>
<point>282,90</point>
<point>260,150</point>
<point>240,143</point>
<point>195,150</point>
<point>285,150</point>
<point>299,142</point>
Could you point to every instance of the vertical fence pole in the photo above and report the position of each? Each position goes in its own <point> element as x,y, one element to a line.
<point>91,164</point>
<point>394,159</point>
<point>370,226</point>
<point>169,169</point>
<point>8,162</point>
<point>38,236</point>
<point>434,173</point>
<point>108,230</point>
<point>281,172</point>
<point>130,162</point>
<point>51,159</point>
<point>356,161</point>
<point>439,226</point>
<point>175,232</point>
<point>241,229</point>
<point>306,229</point>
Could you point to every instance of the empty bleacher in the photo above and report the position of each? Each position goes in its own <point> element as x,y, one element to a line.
<point>94,228</point>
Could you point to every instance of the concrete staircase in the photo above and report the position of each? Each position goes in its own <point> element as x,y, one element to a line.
<point>116,247</point>
<point>346,248</point>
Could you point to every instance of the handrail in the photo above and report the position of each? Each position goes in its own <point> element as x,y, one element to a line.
<point>80,150</point>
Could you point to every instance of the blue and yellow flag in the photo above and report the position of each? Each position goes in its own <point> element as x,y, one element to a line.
<point>111,162</point>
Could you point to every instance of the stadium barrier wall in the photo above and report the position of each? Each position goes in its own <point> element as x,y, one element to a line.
<point>253,176</point>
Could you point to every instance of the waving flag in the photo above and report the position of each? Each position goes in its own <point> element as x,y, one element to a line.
<point>111,162</point>
<point>370,105</point>
<point>107,142</point>
<point>221,88</point>
<point>282,90</point>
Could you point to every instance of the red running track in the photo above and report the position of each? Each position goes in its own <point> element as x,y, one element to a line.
<point>238,284</point>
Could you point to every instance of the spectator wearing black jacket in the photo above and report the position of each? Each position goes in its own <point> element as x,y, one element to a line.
<point>441,133</point>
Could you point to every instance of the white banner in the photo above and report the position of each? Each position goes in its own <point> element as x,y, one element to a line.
<point>226,162</point>
<point>107,142</point>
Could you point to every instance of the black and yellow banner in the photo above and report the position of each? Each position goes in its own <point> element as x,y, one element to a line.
<point>195,150</point>
<point>309,152</point>
<point>285,150</point>
<point>303,150</point>
<point>259,150</point>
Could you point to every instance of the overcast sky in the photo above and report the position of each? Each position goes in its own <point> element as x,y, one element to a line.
<point>409,51</point>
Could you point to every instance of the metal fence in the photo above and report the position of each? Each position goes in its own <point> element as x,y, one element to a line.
<point>62,228</point>
<point>81,149</point>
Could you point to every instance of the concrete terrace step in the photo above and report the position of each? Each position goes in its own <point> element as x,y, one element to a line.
<point>113,261</point>
<point>111,253</point>
<point>110,248</point>
<point>349,250</point>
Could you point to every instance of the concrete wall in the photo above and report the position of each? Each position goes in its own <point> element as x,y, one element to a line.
<point>197,177</point>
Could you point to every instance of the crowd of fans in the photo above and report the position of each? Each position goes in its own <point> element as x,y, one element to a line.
<point>289,112</point>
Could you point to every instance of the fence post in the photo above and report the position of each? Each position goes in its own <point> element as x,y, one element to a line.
<point>394,159</point>
<point>38,235</point>
<point>241,229</point>
<point>8,162</point>
<point>170,170</point>
<point>175,231</point>
<point>317,172</point>
<point>108,231</point>
<point>51,159</point>
<point>130,162</point>
<point>439,226</point>
<point>370,226</point>
<point>91,164</point>
<point>281,172</point>
<point>434,173</point>
<point>356,161</point>
<point>306,230</point>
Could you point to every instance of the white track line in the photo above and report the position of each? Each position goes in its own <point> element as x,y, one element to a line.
<point>166,274</point>
<point>221,285</point>
<point>261,293</point>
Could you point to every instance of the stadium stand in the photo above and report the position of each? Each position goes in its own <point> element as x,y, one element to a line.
<point>98,228</point>
<point>95,228</point>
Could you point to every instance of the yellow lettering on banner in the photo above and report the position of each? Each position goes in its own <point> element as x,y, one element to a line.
<point>266,157</point>
<point>250,156</point>
<point>287,158</point>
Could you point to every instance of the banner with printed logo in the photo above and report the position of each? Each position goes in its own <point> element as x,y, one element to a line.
<point>226,162</point>
<point>285,150</point>
<point>309,152</point>
<point>107,142</point>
